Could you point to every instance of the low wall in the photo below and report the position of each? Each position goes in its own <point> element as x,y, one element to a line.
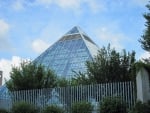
<point>143,85</point>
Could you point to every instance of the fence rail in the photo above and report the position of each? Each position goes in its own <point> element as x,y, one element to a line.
<point>67,95</point>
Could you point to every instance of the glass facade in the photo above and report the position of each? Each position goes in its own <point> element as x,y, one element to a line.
<point>67,55</point>
<point>4,92</point>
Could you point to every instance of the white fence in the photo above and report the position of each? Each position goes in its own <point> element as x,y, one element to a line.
<point>67,95</point>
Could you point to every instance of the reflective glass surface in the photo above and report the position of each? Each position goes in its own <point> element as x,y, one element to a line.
<point>3,92</point>
<point>67,56</point>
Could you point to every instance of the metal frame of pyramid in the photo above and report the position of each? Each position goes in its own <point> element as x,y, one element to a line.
<point>69,53</point>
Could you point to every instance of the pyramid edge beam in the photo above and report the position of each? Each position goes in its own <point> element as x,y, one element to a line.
<point>91,46</point>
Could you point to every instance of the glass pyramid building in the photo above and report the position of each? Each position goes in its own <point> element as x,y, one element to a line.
<point>69,53</point>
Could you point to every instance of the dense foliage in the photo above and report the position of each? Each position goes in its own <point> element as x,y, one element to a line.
<point>82,107</point>
<point>62,82</point>
<point>112,105</point>
<point>141,108</point>
<point>53,109</point>
<point>31,76</point>
<point>3,111</point>
<point>145,40</point>
<point>23,107</point>
<point>108,66</point>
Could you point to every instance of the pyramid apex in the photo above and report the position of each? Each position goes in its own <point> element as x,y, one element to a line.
<point>75,30</point>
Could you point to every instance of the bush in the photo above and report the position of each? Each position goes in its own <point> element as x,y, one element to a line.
<point>3,111</point>
<point>112,105</point>
<point>82,107</point>
<point>23,107</point>
<point>53,109</point>
<point>141,108</point>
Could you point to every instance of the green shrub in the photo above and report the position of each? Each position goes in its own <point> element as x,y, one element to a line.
<point>141,108</point>
<point>82,107</point>
<point>112,105</point>
<point>3,111</point>
<point>23,107</point>
<point>53,109</point>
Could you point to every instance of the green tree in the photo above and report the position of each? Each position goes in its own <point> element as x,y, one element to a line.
<point>31,76</point>
<point>23,107</point>
<point>145,39</point>
<point>108,66</point>
<point>62,82</point>
<point>113,105</point>
<point>81,107</point>
<point>140,107</point>
<point>53,109</point>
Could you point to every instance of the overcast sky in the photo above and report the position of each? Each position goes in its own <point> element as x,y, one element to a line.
<point>28,27</point>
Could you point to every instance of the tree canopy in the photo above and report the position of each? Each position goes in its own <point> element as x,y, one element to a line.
<point>145,39</point>
<point>31,76</point>
<point>108,66</point>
